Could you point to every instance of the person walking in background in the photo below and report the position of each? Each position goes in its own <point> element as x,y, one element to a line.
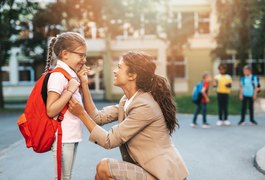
<point>248,94</point>
<point>201,103</point>
<point>223,84</point>
<point>70,51</point>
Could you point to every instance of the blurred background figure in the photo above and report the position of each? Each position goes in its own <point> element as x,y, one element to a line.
<point>223,83</point>
<point>248,94</point>
<point>202,101</point>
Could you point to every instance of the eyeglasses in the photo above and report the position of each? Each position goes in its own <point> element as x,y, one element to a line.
<point>81,55</point>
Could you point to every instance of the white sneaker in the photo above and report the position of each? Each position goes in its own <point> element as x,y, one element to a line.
<point>193,125</point>
<point>219,123</point>
<point>227,123</point>
<point>206,126</point>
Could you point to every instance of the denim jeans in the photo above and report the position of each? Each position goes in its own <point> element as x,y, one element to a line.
<point>68,158</point>
<point>203,107</point>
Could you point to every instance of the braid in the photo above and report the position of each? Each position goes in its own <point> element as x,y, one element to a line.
<point>49,54</point>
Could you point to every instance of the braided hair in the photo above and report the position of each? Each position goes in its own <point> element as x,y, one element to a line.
<point>49,54</point>
<point>144,66</point>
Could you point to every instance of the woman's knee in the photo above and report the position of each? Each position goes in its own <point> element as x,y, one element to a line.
<point>103,169</point>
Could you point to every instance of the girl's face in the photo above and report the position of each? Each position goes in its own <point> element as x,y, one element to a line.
<point>76,58</point>
<point>121,75</point>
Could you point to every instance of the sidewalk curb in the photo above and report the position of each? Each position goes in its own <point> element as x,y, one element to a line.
<point>259,160</point>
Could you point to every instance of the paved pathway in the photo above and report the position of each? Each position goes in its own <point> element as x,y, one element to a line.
<point>219,153</point>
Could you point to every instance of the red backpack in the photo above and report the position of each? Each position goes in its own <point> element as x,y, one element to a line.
<point>37,128</point>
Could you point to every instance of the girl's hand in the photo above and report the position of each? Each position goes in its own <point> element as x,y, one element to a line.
<point>73,85</point>
<point>75,107</point>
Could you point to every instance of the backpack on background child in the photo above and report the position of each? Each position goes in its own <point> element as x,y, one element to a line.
<point>34,124</point>
<point>253,78</point>
<point>196,93</point>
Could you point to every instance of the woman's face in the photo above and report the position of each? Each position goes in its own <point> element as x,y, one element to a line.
<point>121,75</point>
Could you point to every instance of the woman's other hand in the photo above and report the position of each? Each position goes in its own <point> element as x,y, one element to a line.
<point>75,107</point>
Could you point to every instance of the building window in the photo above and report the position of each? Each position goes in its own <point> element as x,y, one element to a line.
<point>234,67</point>
<point>202,22</point>
<point>177,68</point>
<point>25,73</point>
<point>258,67</point>
<point>96,76</point>
<point>5,74</point>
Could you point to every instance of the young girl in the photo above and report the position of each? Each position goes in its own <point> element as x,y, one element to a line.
<point>70,51</point>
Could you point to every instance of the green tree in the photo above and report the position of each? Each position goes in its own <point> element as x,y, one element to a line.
<point>257,32</point>
<point>13,16</point>
<point>242,26</point>
<point>139,15</point>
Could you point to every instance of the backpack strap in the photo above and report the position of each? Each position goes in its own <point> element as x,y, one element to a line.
<point>64,72</point>
<point>60,132</point>
<point>59,142</point>
<point>59,150</point>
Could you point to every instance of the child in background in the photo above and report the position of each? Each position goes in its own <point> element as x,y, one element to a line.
<point>70,51</point>
<point>223,84</point>
<point>202,104</point>
<point>248,94</point>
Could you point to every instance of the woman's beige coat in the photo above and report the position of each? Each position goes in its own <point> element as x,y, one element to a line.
<point>142,130</point>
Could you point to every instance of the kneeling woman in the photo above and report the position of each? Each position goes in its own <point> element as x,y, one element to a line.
<point>146,119</point>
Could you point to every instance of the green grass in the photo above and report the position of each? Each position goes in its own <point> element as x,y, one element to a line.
<point>185,105</point>
<point>16,100</point>
<point>11,110</point>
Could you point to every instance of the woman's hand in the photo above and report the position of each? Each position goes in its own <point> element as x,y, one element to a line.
<point>76,108</point>
<point>82,75</point>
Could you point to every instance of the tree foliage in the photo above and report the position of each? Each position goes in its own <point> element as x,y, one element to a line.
<point>139,17</point>
<point>242,28</point>
<point>13,18</point>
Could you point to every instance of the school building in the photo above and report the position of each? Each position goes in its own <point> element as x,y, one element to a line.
<point>103,55</point>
